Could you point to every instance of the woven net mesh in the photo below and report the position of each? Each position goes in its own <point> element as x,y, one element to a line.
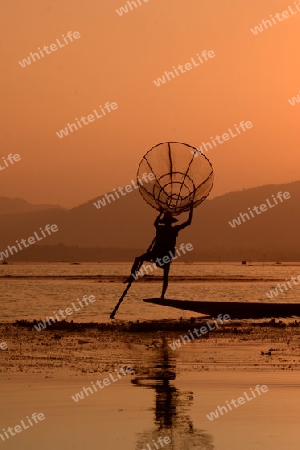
<point>183,176</point>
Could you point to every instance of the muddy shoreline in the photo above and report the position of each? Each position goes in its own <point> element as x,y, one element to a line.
<point>76,349</point>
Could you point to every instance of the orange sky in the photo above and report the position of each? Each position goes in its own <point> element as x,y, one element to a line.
<point>116,59</point>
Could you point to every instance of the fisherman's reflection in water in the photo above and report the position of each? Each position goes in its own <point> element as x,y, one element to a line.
<point>171,409</point>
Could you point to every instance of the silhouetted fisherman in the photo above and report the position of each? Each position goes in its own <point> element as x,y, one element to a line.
<point>163,244</point>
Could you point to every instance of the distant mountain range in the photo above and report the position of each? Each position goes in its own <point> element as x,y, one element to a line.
<point>124,227</point>
<point>18,205</point>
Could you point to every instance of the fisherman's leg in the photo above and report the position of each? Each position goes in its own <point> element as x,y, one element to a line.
<point>166,269</point>
<point>138,260</point>
<point>137,263</point>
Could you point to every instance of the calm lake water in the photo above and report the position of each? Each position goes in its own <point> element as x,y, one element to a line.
<point>33,291</point>
<point>130,414</point>
<point>166,396</point>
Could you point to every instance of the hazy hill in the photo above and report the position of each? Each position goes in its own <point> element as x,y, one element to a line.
<point>18,205</point>
<point>127,223</point>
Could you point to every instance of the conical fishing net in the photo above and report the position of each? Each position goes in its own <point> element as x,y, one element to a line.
<point>183,176</point>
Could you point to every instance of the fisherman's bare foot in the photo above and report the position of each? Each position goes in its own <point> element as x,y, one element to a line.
<point>128,280</point>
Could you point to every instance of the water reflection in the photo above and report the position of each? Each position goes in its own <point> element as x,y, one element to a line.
<point>171,409</point>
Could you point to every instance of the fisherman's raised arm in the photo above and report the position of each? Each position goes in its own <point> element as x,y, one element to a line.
<point>187,222</point>
<point>158,218</point>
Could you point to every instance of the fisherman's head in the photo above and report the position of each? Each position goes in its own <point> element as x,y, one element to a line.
<point>168,219</point>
